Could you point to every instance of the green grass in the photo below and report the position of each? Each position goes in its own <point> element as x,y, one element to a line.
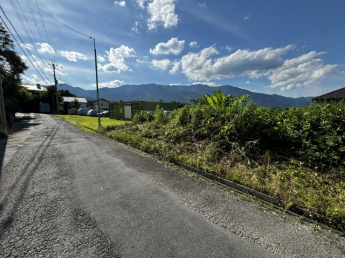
<point>92,122</point>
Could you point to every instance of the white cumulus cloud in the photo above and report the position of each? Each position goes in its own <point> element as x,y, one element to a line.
<point>201,66</point>
<point>162,13</point>
<point>286,74</point>
<point>120,3</point>
<point>173,46</point>
<point>141,3</point>
<point>211,84</point>
<point>72,55</point>
<point>160,64</point>
<point>110,84</point>
<point>116,57</point>
<point>193,44</point>
<point>300,71</point>
<point>33,79</point>
<point>227,48</point>
<point>28,46</point>
<point>101,59</point>
<point>45,48</point>
<point>175,67</point>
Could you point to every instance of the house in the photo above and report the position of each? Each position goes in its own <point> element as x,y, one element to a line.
<point>334,96</point>
<point>103,104</point>
<point>34,88</point>
<point>66,104</point>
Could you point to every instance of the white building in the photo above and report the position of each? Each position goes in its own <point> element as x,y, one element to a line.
<point>103,104</point>
<point>66,103</point>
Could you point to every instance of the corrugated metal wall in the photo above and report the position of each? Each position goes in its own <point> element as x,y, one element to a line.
<point>151,106</point>
<point>116,109</point>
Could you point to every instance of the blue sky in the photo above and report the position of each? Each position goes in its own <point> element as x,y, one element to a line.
<point>287,47</point>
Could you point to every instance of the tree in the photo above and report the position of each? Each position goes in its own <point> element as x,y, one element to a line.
<point>75,105</point>
<point>11,67</point>
<point>66,93</point>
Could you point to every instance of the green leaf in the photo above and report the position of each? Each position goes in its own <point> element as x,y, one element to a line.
<point>342,148</point>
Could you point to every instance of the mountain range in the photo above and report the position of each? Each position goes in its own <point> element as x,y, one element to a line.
<point>182,94</point>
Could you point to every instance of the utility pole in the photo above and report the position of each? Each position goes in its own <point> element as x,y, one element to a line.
<point>3,122</point>
<point>56,92</point>
<point>99,115</point>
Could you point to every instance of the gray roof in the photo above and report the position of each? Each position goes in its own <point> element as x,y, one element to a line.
<point>71,99</point>
<point>34,88</point>
<point>337,94</point>
<point>95,101</point>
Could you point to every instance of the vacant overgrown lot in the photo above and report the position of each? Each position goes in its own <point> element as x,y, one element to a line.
<point>295,154</point>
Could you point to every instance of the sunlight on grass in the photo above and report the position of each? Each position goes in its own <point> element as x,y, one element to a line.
<point>91,122</point>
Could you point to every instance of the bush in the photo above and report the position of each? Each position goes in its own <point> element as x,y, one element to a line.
<point>142,117</point>
<point>159,118</point>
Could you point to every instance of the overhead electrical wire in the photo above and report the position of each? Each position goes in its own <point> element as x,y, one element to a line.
<point>94,46</point>
<point>39,10</point>
<point>39,33</point>
<point>31,31</point>
<point>27,28</point>
<point>21,48</point>
<point>23,45</point>
<point>33,17</point>
<point>61,22</point>
<point>76,31</point>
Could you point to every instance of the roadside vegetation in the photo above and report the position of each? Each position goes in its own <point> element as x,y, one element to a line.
<point>91,123</point>
<point>294,154</point>
<point>11,67</point>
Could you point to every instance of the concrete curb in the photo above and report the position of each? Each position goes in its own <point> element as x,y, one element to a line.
<point>294,210</point>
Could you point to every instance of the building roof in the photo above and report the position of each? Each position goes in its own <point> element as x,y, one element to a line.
<point>337,94</point>
<point>94,101</point>
<point>71,99</point>
<point>36,87</point>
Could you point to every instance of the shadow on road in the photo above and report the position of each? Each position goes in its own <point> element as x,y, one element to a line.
<point>3,144</point>
<point>22,122</point>
<point>19,187</point>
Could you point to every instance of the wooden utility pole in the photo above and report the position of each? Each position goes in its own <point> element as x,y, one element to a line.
<point>98,108</point>
<point>56,91</point>
<point>3,122</point>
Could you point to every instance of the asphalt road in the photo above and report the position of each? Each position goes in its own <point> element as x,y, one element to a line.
<point>68,193</point>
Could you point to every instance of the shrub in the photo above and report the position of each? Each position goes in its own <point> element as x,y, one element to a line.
<point>142,117</point>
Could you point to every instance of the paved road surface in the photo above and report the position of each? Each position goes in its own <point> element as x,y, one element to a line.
<point>67,193</point>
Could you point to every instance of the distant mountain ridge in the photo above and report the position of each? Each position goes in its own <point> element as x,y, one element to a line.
<point>183,94</point>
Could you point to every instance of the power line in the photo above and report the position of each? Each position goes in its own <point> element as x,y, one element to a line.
<point>27,28</point>
<point>23,44</point>
<point>21,47</point>
<point>33,17</point>
<point>39,10</point>
<point>61,22</point>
